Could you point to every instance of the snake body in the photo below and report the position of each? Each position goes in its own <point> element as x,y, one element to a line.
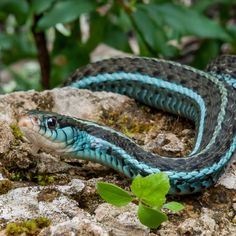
<point>206,98</point>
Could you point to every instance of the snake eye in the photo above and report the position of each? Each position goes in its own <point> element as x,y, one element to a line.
<point>51,122</point>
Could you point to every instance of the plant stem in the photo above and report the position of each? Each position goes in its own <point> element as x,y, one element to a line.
<point>43,54</point>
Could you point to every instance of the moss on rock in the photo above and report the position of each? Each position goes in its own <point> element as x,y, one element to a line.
<point>28,176</point>
<point>5,186</point>
<point>16,131</point>
<point>29,227</point>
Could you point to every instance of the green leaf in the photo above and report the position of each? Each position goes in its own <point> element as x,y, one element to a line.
<point>204,5</point>
<point>19,9</point>
<point>201,6</point>
<point>113,194</point>
<point>124,21</point>
<point>174,206</point>
<point>150,217</point>
<point>116,38</point>
<point>152,189</point>
<point>208,50</point>
<point>16,46</point>
<point>184,20</point>
<point>144,51</point>
<point>6,41</point>
<point>40,6</point>
<point>152,34</point>
<point>66,11</point>
<point>97,30</point>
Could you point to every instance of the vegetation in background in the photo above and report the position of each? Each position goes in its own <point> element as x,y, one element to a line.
<point>52,32</point>
<point>148,192</point>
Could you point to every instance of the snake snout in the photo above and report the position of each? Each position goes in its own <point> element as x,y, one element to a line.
<point>27,122</point>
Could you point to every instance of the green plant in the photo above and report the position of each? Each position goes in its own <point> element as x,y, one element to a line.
<point>150,194</point>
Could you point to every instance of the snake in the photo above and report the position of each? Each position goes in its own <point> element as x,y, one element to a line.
<point>207,98</point>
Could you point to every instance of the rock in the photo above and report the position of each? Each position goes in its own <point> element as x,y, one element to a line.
<point>84,103</point>
<point>103,51</point>
<point>26,203</point>
<point>120,221</point>
<point>81,225</point>
<point>46,163</point>
<point>6,137</point>
<point>5,185</point>
<point>74,187</point>
<point>234,206</point>
<point>228,180</point>
<point>205,225</point>
<point>167,142</point>
<point>166,229</point>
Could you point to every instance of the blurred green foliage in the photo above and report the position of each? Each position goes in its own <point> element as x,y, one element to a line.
<point>158,26</point>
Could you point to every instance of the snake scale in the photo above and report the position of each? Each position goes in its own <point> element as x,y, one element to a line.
<point>207,98</point>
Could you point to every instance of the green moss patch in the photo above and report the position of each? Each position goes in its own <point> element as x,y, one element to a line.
<point>28,176</point>
<point>127,124</point>
<point>29,227</point>
<point>16,131</point>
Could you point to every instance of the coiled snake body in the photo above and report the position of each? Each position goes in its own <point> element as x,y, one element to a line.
<point>207,98</point>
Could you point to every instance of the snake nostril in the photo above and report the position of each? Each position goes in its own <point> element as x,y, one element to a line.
<point>24,121</point>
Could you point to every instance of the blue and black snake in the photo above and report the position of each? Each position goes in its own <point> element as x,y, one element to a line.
<point>207,98</point>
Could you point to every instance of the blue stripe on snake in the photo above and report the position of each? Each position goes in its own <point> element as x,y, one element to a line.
<point>156,101</point>
<point>207,98</point>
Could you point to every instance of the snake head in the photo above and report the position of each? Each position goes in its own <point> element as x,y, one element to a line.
<point>47,130</point>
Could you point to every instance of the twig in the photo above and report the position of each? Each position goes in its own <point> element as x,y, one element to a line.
<point>43,54</point>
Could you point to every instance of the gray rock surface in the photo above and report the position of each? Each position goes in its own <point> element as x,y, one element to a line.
<point>71,201</point>
<point>205,225</point>
<point>167,142</point>
<point>120,221</point>
<point>32,202</point>
<point>229,179</point>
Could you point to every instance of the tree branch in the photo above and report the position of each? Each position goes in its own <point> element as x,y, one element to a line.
<point>43,54</point>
